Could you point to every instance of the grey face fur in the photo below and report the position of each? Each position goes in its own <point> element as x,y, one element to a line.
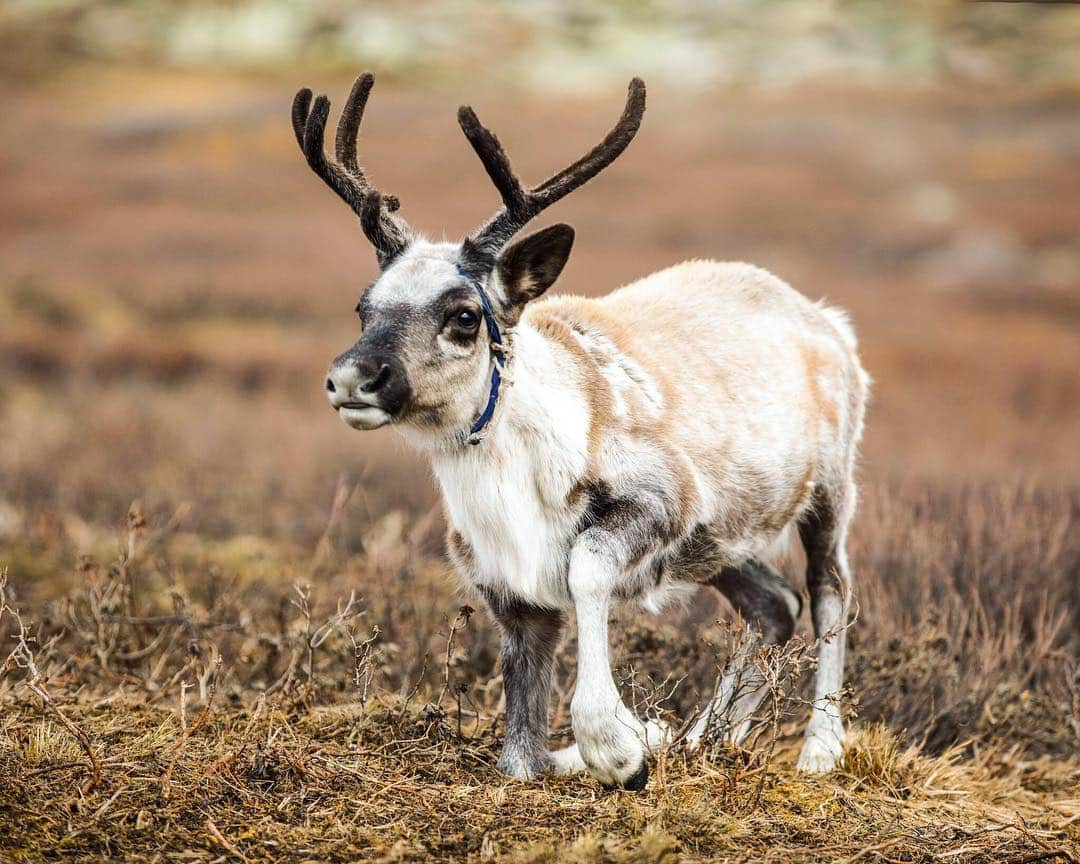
<point>424,356</point>
<point>423,350</point>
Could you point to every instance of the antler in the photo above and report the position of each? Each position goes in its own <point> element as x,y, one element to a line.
<point>521,205</point>
<point>389,234</point>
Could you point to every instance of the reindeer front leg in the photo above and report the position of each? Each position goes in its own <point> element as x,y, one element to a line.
<point>530,635</point>
<point>611,741</point>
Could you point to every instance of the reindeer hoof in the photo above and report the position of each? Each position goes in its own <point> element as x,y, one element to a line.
<point>640,778</point>
<point>635,783</point>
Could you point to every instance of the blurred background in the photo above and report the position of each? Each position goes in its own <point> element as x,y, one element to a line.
<point>174,280</point>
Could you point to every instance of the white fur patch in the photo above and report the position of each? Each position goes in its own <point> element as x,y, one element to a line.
<point>507,496</point>
<point>418,276</point>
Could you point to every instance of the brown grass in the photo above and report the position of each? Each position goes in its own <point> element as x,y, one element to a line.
<point>231,715</point>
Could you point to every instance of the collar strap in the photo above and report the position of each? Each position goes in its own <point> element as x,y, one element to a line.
<point>497,352</point>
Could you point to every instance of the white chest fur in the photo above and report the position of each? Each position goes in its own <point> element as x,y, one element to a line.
<point>508,495</point>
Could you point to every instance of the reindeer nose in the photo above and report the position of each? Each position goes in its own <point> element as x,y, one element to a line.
<point>342,381</point>
<point>366,380</point>
<point>373,375</point>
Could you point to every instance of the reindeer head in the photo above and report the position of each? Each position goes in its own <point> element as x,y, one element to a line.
<point>437,322</point>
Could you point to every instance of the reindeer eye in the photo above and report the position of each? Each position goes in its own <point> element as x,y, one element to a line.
<point>467,319</point>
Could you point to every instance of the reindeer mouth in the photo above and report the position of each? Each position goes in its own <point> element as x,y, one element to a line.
<point>363,416</point>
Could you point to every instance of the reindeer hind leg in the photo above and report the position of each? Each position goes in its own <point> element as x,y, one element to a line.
<point>823,529</point>
<point>771,606</point>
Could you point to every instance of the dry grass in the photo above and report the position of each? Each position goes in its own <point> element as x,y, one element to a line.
<point>231,716</point>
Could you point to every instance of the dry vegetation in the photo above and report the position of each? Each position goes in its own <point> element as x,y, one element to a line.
<point>267,661</point>
<point>196,698</point>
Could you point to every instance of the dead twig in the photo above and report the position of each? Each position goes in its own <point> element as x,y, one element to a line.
<point>22,657</point>
<point>223,840</point>
<point>461,621</point>
<point>185,736</point>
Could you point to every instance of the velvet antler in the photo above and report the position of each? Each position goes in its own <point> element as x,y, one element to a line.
<point>389,234</point>
<point>521,205</point>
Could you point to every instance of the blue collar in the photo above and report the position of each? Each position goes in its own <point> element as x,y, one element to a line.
<point>497,352</point>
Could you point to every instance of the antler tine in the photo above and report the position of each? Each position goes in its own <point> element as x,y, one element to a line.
<point>301,104</point>
<point>493,158</point>
<point>521,206</point>
<point>349,125</point>
<point>350,189</point>
<point>604,153</point>
<point>387,233</point>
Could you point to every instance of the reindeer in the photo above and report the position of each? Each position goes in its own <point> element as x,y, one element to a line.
<point>594,451</point>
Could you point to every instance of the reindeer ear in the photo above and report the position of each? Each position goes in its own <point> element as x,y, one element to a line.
<point>529,267</point>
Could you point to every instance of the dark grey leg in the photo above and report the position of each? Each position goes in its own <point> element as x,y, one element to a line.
<point>764,598</point>
<point>530,636</point>
<point>771,606</point>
